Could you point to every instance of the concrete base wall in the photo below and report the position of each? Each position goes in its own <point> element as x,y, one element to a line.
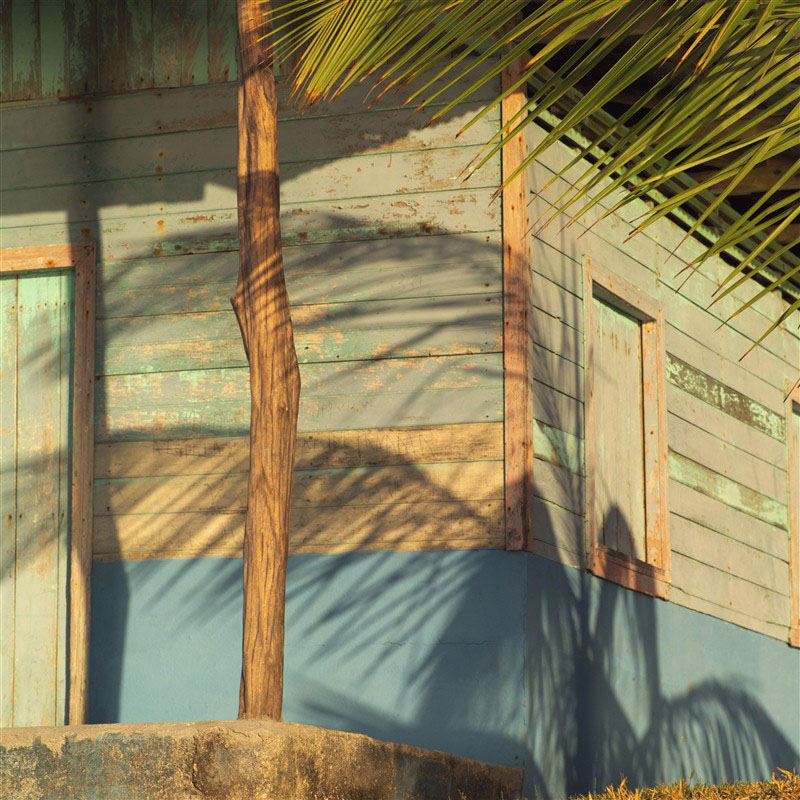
<point>247,760</point>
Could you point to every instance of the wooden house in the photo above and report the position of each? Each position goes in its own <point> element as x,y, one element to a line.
<point>543,514</point>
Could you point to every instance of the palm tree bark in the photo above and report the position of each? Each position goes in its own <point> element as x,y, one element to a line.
<point>261,305</point>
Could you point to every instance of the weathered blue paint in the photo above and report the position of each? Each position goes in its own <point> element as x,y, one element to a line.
<point>506,657</point>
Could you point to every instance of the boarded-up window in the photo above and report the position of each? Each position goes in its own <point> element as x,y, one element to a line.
<point>625,434</point>
<point>793,436</point>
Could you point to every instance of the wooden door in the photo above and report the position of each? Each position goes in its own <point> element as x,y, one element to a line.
<point>36,346</point>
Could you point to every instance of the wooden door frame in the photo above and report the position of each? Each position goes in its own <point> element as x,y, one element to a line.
<point>81,258</point>
<point>792,398</point>
<point>651,576</point>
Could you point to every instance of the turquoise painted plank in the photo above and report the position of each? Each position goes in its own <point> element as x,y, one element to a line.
<point>52,23</point>
<point>189,231</point>
<point>8,493</point>
<point>558,447</point>
<point>329,273</point>
<point>81,45</point>
<point>338,331</point>
<point>111,51</point>
<point>339,179</point>
<point>26,50</point>
<point>732,494</point>
<point>6,53</point>
<point>204,107</point>
<point>194,42</point>
<point>726,399</point>
<point>334,396</point>
<point>221,41</point>
<point>138,37</point>
<point>300,140</point>
<point>38,469</point>
<point>167,42</point>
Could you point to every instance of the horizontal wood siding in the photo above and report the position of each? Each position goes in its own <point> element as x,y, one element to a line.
<point>394,272</point>
<point>726,426</point>
<point>66,48</point>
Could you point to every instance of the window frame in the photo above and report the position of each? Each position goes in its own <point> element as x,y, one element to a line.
<point>652,576</point>
<point>793,478</point>
<point>81,259</point>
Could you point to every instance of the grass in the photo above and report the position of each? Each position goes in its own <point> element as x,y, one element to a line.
<point>784,786</point>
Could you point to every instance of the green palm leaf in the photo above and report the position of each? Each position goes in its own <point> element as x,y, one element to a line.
<point>716,88</point>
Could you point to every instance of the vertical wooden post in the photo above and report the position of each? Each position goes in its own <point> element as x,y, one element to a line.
<point>82,479</point>
<point>518,427</point>
<point>262,309</point>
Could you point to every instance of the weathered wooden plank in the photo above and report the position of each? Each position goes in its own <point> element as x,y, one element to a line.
<point>187,231</point>
<point>687,600</point>
<point>191,108</point>
<point>167,71</point>
<point>724,589</point>
<point>723,397</point>
<point>6,52</point>
<point>344,331</point>
<point>557,409</point>
<point>194,42</point>
<point>695,443</point>
<point>52,19</point>
<point>426,526</point>
<point>8,493</point>
<point>556,336</point>
<point>336,396</point>
<point>558,447</point>
<point>138,43</point>
<point>112,55</point>
<point>733,494</point>
<point>559,528</point>
<point>723,427</point>
<point>559,486</point>
<point>38,512</point>
<point>221,41</point>
<point>555,301</point>
<point>691,351</point>
<point>793,442</point>
<point>411,173</point>
<point>559,373</point>
<point>300,140</point>
<point>404,483</point>
<point>315,450</point>
<point>80,54</point>
<point>715,515</point>
<point>328,273</point>
<point>728,555</point>
<point>25,50</point>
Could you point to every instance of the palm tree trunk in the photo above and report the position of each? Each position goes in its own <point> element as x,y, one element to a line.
<point>262,309</point>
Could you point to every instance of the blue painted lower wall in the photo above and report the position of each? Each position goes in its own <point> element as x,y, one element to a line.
<point>506,657</point>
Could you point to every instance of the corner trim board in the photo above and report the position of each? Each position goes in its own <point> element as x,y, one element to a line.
<point>793,447</point>
<point>81,258</point>
<point>517,343</point>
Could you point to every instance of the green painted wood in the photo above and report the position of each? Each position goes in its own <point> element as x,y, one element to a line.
<point>138,43</point>
<point>558,447</point>
<point>52,24</point>
<point>732,494</point>
<point>338,331</point>
<point>111,51</point>
<point>80,55</point>
<point>557,409</point>
<point>194,42</point>
<point>335,396</point>
<point>457,264</point>
<point>42,477</point>
<point>717,394</point>
<point>6,52</point>
<point>221,41</point>
<point>8,492</point>
<point>198,192</point>
<point>25,49</point>
<point>299,140</point>
<point>167,43</point>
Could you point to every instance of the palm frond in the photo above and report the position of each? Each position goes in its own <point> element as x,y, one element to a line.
<point>716,86</point>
